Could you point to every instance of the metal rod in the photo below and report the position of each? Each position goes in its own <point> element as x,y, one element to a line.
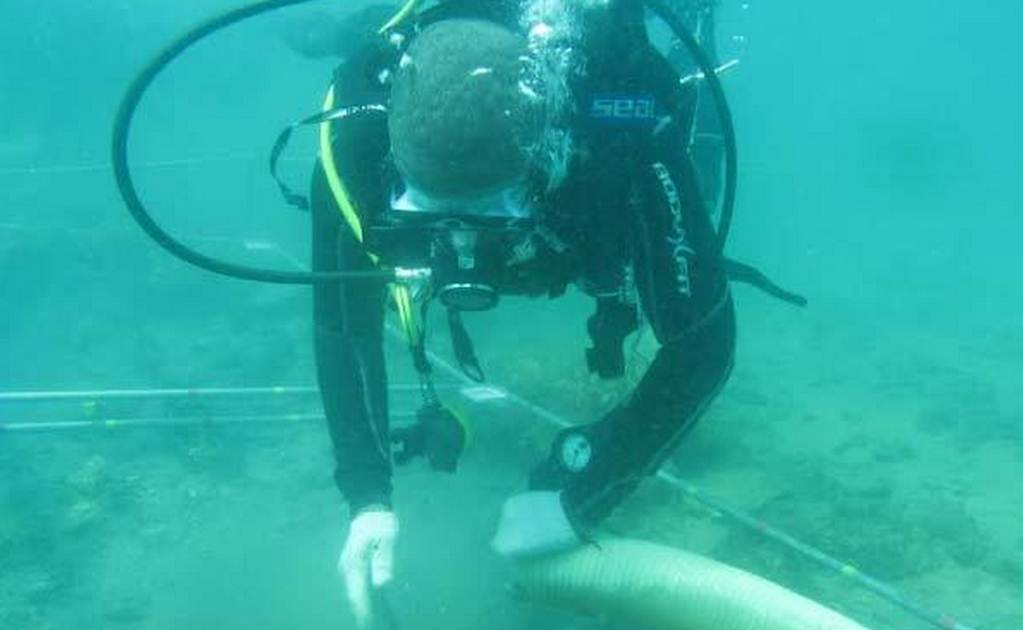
<point>141,394</point>
<point>102,167</point>
<point>844,568</point>
<point>119,423</point>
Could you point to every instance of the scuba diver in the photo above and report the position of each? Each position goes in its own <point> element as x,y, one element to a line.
<point>484,150</point>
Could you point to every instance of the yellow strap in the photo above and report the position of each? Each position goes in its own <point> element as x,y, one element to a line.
<point>400,16</point>
<point>400,294</point>
<point>344,202</point>
<point>463,420</point>
<point>406,312</point>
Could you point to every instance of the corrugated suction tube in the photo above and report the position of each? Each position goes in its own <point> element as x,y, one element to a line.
<point>653,587</point>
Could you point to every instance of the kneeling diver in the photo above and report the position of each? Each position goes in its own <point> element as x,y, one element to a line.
<point>445,165</point>
<point>485,148</point>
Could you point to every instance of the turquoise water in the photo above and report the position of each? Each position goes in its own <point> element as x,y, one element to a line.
<point>879,167</point>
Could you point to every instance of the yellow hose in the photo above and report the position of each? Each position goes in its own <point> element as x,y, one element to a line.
<point>652,587</point>
<point>406,10</point>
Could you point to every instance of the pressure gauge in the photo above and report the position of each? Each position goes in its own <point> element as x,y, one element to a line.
<point>575,452</point>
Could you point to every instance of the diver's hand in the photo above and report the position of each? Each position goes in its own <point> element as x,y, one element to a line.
<point>367,560</point>
<point>533,523</point>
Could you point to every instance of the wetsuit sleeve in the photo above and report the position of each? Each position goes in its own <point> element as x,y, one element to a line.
<point>349,316</point>
<point>684,295</point>
<point>348,320</point>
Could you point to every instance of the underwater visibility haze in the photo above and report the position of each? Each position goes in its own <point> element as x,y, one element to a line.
<point>164,459</point>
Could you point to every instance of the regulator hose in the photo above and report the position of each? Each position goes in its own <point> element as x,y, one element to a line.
<point>126,186</point>
<point>724,113</point>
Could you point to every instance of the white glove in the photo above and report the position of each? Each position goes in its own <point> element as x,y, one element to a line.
<point>367,560</point>
<point>533,523</point>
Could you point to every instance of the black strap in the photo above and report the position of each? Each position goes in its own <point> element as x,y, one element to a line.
<point>290,196</point>
<point>463,347</point>
<point>741,272</point>
<point>420,360</point>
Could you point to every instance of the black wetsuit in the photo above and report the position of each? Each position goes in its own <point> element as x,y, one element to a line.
<point>629,215</point>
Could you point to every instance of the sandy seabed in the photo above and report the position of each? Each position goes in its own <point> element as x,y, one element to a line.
<point>895,451</point>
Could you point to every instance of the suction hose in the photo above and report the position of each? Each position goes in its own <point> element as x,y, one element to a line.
<point>653,587</point>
